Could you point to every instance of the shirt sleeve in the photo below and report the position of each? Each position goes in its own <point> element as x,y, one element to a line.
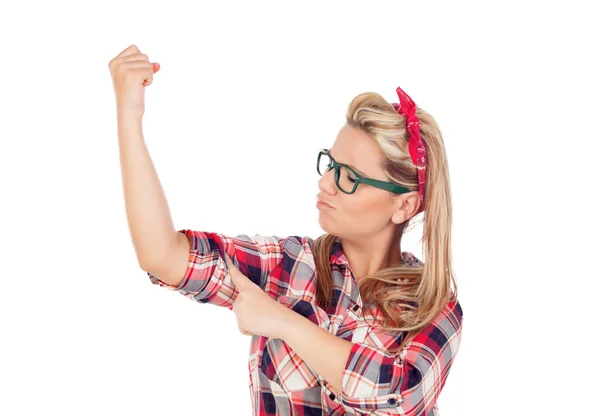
<point>207,278</point>
<point>410,384</point>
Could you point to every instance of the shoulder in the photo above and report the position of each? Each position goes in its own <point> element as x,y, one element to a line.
<point>267,243</point>
<point>452,307</point>
<point>295,244</point>
<point>296,252</point>
<point>455,309</point>
<point>448,324</point>
<point>410,259</point>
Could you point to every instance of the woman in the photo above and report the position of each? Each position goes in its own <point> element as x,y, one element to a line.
<point>344,324</point>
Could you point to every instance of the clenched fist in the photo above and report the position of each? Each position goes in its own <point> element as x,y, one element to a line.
<point>131,71</point>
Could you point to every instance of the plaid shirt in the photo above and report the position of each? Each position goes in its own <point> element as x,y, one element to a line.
<point>374,382</point>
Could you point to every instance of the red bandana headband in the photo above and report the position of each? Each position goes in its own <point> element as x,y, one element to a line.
<point>416,147</point>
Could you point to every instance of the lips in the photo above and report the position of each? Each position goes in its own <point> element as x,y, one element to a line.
<point>324,202</point>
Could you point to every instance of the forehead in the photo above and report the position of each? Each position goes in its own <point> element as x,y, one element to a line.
<point>357,149</point>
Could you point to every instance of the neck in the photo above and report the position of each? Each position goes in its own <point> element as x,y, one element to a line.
<point>367,256</point>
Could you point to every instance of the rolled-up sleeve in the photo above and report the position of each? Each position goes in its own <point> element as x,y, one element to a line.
<point>207,279</point>
<point>408,384</point>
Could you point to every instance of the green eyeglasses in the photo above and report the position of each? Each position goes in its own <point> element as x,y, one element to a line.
<point>347,179</point>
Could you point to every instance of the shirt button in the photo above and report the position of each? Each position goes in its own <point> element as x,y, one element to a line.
<point>355,308</point>
<point>332,396</point>
<point>392,401</point>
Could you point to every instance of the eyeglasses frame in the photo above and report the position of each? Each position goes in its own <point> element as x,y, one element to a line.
<point>388,186</point>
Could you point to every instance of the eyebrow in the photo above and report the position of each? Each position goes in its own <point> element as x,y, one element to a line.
<point>361,173</point>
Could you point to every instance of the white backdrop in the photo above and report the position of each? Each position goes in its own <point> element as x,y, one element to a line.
<point>246,95</point>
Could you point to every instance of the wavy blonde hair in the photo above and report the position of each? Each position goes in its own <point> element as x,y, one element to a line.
<point>409,297</point>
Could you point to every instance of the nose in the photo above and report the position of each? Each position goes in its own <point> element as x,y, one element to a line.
<point>327,182</point>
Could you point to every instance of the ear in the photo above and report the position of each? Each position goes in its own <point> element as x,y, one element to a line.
<point>406,207</point>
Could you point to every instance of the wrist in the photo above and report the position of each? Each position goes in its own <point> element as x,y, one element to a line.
<point>127,115</point>
<point>129,121</point>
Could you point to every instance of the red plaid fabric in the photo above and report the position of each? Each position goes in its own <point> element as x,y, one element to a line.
<point>281,383</point>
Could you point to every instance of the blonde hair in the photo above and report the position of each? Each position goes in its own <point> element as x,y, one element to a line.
<point>408,296</point>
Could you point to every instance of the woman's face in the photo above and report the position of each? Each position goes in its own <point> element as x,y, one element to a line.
<point>369,210</point>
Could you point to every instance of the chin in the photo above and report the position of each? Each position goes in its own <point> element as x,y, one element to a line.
<point>324,226</point>
<point>329,229</point>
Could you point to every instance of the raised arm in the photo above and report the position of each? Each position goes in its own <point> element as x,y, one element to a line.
<point>152,231</point>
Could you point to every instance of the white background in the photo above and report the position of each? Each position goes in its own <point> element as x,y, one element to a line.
<point>246,95</point>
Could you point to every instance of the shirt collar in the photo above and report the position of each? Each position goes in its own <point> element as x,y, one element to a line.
<point>337,254</point>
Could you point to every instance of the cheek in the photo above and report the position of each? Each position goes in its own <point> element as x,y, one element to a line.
<point>366,210</point>
<point>364,204</point>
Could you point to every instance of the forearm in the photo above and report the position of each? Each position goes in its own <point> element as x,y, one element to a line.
<point>148,216</point>
<point>322,351</point>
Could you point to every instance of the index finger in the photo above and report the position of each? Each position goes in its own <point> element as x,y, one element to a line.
<point>130,50</point>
